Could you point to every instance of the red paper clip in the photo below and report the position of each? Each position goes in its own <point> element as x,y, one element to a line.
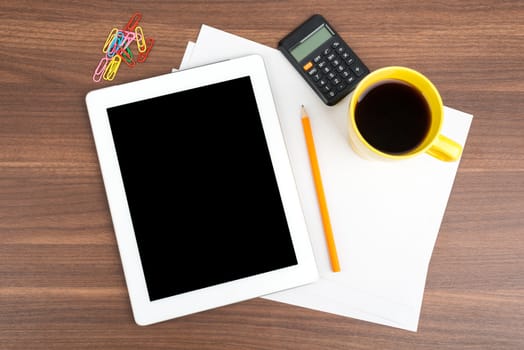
<point>133,22</point>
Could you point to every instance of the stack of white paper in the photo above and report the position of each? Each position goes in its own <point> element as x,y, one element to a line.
<point>385,215</point>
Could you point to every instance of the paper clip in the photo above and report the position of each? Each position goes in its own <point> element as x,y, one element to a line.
<point>116,44</point>
<point>140,39</point>
<point>112,68</point>
<point>123,45</point>
<point>130,37</point>
<point>100,69</point>
<point>142,56</point>
<point>109,39</point>
<point>127,57</point>
<point>133,22</point>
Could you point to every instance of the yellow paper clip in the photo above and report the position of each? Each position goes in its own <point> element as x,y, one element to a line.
<point>140,39</point>
<point>112,67</point>
<point>109,39</point>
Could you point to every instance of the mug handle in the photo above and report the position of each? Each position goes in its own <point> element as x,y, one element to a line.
<point>445,149</point>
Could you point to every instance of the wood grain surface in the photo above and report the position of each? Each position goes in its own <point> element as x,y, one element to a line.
<point>61,281</point>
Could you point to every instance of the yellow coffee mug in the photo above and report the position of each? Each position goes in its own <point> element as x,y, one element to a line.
<point>377,94</point>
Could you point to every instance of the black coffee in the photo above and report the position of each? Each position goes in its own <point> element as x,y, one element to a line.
<point>393,117</point>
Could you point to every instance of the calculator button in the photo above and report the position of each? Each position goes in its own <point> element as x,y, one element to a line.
<point>321,64</point>
<point>331,75</point>
<point>331,57</point>
<point>357,69</point>
<point>335,62</point>
<point>335,44</point>
<point>308,66</point>
<point>350,61</point>
<point>346,73</point>
<point>317,58</point>
<point>313,71</point>
<point>326,51</point>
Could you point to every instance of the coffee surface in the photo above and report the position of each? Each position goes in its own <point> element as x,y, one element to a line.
<point>393,117</point>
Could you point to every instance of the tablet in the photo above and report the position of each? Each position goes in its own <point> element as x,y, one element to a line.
<point>202,197</point>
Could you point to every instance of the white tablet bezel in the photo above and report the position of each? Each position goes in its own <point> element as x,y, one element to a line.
<point>145,311</point>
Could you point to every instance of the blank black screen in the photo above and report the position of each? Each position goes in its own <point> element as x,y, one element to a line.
<point>201,189</point>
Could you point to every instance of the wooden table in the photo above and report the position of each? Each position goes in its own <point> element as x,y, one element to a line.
<point>61,281</point>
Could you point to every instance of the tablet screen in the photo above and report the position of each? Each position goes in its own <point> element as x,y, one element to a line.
<point>202,194</point>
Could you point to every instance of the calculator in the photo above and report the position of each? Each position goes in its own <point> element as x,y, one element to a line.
<point>326,61</point>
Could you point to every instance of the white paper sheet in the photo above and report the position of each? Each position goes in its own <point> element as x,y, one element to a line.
<point>385,216</point>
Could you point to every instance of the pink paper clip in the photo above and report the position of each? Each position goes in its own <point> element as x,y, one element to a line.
<point>142,56</point>
<point>133,22</point>
<point>130,37</point>
<point>100,69</point>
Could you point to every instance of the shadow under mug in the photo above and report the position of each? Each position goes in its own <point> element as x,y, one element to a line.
<point>431,141</point>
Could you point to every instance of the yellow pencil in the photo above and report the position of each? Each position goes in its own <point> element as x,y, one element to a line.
<point>328,231</point>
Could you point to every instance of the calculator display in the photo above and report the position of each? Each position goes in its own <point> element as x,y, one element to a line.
<point>311,42</point>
